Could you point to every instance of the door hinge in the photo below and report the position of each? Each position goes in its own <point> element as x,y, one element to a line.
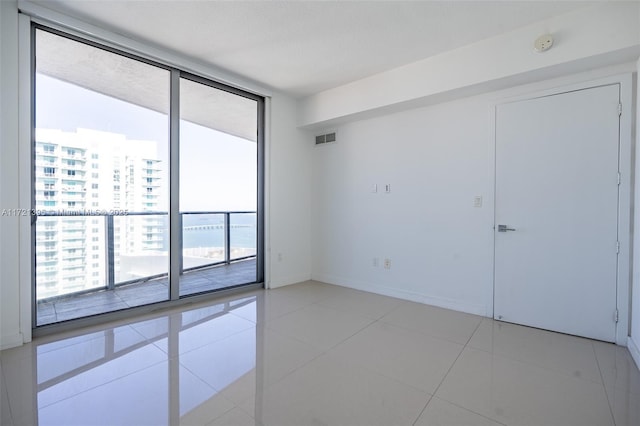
<point>619,109</point>
<point>617,246</point>
<point>615,316</point>
<point>619,178</point>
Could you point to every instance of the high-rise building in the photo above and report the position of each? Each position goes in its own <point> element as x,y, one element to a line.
<point>93,187</point>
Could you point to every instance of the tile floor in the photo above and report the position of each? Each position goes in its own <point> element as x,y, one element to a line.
<point>316,354</point>
<point>146,292</point>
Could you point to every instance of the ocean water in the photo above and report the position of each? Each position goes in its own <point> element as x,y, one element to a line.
<point>207,230</point>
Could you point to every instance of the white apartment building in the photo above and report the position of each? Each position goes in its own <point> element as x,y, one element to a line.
<point>91,187</point>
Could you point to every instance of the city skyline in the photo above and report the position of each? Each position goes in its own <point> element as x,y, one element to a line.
<point>90,169</point>
<point>96,191</point>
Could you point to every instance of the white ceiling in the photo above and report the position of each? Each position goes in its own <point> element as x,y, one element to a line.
<point>302,47</point>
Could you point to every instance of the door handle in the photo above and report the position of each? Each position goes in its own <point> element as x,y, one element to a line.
<point>505,228</point>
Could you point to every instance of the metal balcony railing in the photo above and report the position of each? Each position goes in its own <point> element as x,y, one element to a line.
<point>111,248</point>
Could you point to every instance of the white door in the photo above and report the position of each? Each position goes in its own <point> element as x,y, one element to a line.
<point>557,197</point>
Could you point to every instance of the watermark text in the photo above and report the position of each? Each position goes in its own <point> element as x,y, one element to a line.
<point>63,212</point>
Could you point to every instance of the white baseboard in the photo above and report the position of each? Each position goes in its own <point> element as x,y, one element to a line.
<point>634,349</point>
<point>292,279</point>
<point>440,302</point>
<point>7,342</point>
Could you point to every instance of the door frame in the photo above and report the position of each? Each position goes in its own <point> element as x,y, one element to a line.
<point>625,190</point>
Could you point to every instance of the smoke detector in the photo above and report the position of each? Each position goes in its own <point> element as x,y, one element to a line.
<point>543,43</point>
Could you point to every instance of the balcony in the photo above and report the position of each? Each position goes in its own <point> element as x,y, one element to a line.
<point>73,235</point>
<point>154,231</point>
<point>73,274</point>
<point>42,151</point>
<point>75,264</point>
<point>218,251</point>
<point>72,244</point>
<point>78,156</point>
<point>73,196</point>
<point>78,178</point>
<point>74,226</point>
<point>45,187</point>
<point>70,257</point>
<point>47,281</point>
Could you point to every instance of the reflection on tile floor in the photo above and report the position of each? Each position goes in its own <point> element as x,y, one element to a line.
<point>144,293</point>
<point>316,354</point>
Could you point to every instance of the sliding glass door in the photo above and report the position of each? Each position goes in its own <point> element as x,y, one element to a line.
<point>105,156</point>
<point>218,186</point>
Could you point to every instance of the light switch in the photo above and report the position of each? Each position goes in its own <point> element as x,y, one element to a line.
<point>374,188</point>
<point>387,188</point>
<point>477,201</point>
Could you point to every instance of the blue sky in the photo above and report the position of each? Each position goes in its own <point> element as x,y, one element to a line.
<point>218,171</point>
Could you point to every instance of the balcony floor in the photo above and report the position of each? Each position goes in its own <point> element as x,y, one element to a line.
<point>143,293</point>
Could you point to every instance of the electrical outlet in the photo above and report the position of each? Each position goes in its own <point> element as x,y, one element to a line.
<point>387,264</point>
<point>477,201</point>
<point>375,262</point>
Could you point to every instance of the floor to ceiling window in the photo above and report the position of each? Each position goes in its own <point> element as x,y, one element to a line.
<point>218,191</point>
<point>115,145</point>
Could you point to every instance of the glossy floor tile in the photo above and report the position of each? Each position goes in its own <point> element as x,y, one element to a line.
<point>362,303</point>
<point>514,392</point>
<point>333,392</point>
<point>442,413</point>
<point>618,368</point>
<point>5,411</point>
<point>320,326</point>
<point>412,358</point>
<point>568,355</point>
<point>316,354</point>
<point>433,321</point>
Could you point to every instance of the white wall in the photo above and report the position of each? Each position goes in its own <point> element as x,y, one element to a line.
<point>289,197</point>
<point>436,159</point>
<point>634,340</point>
<point>10,315</point>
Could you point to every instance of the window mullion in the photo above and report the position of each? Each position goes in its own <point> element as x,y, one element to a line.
<point>175,220</point>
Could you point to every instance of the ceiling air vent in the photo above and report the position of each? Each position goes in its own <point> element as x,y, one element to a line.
<point>326,138</point>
